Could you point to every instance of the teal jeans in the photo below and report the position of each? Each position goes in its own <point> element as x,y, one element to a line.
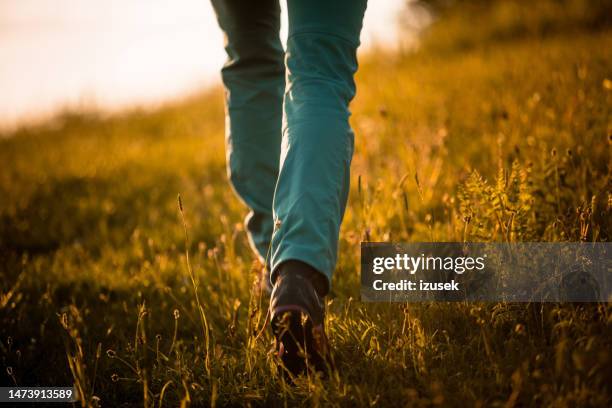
<point>289,143</point>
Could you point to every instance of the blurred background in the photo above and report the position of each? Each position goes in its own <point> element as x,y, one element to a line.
<point>60,54</point>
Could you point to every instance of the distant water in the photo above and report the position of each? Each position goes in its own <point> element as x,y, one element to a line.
<point>110,54</point>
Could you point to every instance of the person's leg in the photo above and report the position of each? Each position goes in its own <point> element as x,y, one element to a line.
<point>317,142</point>
<point>254,79</point>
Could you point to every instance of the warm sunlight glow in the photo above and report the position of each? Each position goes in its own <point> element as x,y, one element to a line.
<point>116,53</point>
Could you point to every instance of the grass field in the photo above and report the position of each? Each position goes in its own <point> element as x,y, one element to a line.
<point>494,130</point>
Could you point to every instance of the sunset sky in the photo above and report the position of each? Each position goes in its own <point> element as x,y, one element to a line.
<point>115,53</point>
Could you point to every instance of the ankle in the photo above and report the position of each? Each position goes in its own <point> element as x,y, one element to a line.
<point>291,267</point>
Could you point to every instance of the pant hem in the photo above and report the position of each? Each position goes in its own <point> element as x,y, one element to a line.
<point>297,254</point>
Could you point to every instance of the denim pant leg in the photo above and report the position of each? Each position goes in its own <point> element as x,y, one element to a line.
<point>254,79</point>
<point>317,142</point>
